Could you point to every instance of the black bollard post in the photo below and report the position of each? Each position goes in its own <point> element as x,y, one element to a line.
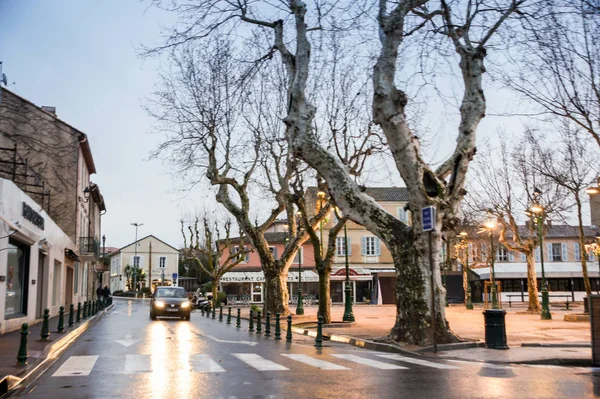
<point>319,339</point>
<point>78,319</point>
<point>85,306</point>
<point>45,333</point>
<point>238,320</point>
<point>277,327</point>
<point>251,327</point>
<point>22,354</point>
<point>202,310</point>
<point>229,315</point>
<point>268,325</point>
<point>288,335</point>
<point>258,323</point>
<point>214,309</point>
<point>208,310</point>
<point>71,310</point>
<point>61,319</point>
<point>221,313</point>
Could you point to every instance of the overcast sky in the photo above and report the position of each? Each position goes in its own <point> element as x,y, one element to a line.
<point>82,57</point>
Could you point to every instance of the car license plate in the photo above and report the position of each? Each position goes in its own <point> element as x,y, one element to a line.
<point>172,310</point>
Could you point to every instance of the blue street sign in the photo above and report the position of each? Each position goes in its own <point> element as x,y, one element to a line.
<point>428,218</point>
<point>174,276</point>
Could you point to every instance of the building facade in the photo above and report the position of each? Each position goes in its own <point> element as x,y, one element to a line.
<point>159,260</point>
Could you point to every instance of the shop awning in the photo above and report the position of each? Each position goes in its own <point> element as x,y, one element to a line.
<point>355,273</point>
<point>259,277</point>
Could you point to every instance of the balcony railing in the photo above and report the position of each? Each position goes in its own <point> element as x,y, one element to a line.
<point>89,246</point>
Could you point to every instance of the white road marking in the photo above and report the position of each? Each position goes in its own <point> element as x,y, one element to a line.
<point>204,364</point>
<point>259,362</point>
<point>232,342</point>
<point>420,362</point>
<point>487,365</point>
<point>127,341</point>
<point>76,366</point>
<point>369,362</point>
<point>137,364</point>
<point>318,363</point>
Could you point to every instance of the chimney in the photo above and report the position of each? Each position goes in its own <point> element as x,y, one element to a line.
<point>549,223</point>
<point>595,208</point>
<point>50,110</point>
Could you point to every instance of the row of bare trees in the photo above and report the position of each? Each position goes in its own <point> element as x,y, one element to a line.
<point>257,99</point>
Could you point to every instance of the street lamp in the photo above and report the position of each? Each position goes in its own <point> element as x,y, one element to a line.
<point>490,225</point>
<point>300,306</point>
<point>135,258</point>
<point>321,195</point>
<point>463,246</point>
<point>348,314</point>
<point>538,210</point>
<point>594,247</point>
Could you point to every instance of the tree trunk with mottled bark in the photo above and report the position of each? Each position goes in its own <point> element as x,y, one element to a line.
<point>533,303</point>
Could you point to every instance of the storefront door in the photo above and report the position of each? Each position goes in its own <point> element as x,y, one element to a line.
<point>41,284</point>
<point>17,279</point>
<point>256,292</point>
<point>337,291</point>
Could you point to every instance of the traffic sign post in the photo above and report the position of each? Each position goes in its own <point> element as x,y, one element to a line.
<point>428,223</point>
<point>175,282</point>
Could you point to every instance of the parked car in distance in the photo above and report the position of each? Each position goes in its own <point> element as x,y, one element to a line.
<point>170,302</point>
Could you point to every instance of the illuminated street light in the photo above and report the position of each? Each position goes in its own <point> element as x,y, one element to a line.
<point>538,212</point>
<point>490,225</point>
<point>463,247</point>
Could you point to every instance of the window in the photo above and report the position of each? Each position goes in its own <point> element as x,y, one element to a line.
<point>537,254</point>
<point>17,276</point>
<point>370,246</point>
<point>136,262</point>
<point>162,261</point>
<point>273,252</point>
<point>76,279</point>
<point>84,281</point>
<point>238,249</point>
<point>502,254</point>
<point>403,215</point>
<point>554,252</point>
<point>340,246</point>
<point>298,256</point>
<point>577,251</point>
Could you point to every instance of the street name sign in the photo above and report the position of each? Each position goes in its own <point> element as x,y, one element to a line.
<point>428,218</point>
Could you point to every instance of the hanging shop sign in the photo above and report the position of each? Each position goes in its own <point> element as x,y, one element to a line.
<point>33,216</point>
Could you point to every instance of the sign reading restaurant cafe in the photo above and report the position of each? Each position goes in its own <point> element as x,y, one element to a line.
<point>259,277</point>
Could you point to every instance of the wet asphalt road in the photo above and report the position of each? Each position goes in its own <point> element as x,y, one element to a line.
<point>126,355</point>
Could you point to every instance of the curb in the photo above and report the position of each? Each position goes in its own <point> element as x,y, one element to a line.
<point>10,383</point>
<point>555,345</point>
<point>453,346</point>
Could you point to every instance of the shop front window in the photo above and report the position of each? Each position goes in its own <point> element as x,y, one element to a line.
<point>17,277</point>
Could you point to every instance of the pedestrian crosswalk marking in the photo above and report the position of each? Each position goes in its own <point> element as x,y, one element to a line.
<point>259,362</point>
<point>420,362</point>
<point>204,364</point>
<point>137,364</point>
<point>369,362</point>
<point>76,366</point>
<point>486,365</point>
<point>318,363</point>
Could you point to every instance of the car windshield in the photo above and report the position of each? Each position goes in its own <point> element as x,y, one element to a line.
<point>170,293</point>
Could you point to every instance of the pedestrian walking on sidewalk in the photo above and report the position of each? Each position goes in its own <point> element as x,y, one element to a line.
<point>106,292</point>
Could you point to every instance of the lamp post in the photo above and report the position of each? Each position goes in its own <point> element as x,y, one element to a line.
<point>594,247</point>
<point>300,306</point>
<point>537,210</point>
<point>491,225</point>
<point>135,258</point>
<point>463,246</point>
<point>348,314</point>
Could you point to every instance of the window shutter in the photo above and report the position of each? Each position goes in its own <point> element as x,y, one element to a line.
<point>511,256</point>
<point>563,247</point>
<point>363,245</point>
<point>550,255</point>
<point>377,246</point>
<point>247,257</point>
<point>577,251</point>
<point>349,246</point>
<point>275,253</point>
<point>537,254</point>
<point>523,257</point>
<point>497,255</point>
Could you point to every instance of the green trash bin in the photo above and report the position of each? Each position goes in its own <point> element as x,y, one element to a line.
<point>495,329</point>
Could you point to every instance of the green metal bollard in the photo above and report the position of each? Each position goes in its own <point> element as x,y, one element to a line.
<point>213,312</point>
<point>288,335</point>
<point>268,325</point>
<point>221,313</point>
<point>45,333</point>
<point>238,320</point>
<point>61,319</point>
<point>85,307</point>
<point>319,339</point>
<point>78,319</point>
<point>258,323</point>
<point>277,327</point>
<point>229,315</point>
<point>71,310</point>
<point>22,354</point>
<point>251,327</point>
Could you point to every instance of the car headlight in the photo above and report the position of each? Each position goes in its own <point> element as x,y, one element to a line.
<point>185,305</point>
<point>159,304</point>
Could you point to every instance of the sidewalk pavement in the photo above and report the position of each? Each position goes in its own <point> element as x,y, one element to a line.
<point>38,351</point>
<point>531,340</point>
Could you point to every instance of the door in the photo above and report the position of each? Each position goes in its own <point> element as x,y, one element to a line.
<point>41,292</point>
<point>69,288</point>
<point>256,292</point>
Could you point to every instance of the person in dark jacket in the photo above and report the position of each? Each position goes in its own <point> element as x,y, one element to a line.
<point>99,291</point>
<point>106,291</point>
